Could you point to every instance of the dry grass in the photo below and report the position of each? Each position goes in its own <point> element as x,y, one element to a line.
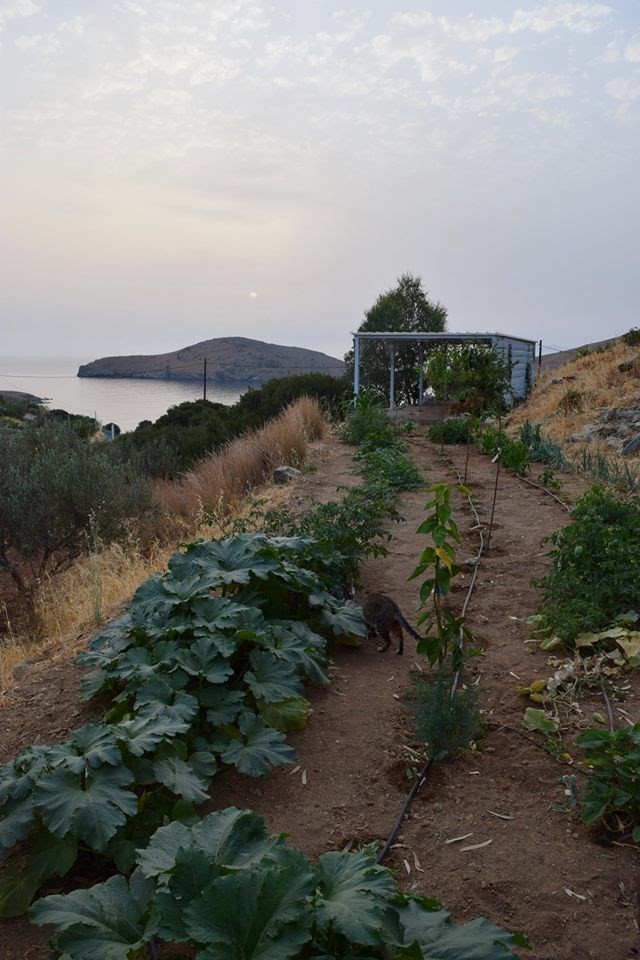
<point>199,504</point>
<point>593,381</point>
<point>221,480</point>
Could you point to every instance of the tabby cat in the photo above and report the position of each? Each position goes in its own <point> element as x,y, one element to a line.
<point>383,617</point>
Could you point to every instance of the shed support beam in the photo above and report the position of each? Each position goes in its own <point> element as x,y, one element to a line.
<point>356,365</point>
<point>421,379</point>
<point>392,376</point>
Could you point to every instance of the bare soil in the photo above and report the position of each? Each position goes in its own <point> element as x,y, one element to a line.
<point>544,873</point>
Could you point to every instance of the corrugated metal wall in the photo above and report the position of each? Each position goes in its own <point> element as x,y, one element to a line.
<point>522,355</point>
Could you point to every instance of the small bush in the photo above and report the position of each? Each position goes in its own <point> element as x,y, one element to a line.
<point>446,724</point>
<point>595,573</point>
<point>572,402</point>
<point>632,337</point>
<point>452,430</point>
<point>367,422</point>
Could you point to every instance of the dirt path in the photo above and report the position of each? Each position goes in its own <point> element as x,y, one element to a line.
<point>350,779</point>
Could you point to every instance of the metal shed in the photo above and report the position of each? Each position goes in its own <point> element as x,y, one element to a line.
<point>520,352</point>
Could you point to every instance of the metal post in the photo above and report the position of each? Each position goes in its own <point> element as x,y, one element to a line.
<point>539,357</point>
<point>356,365</point>
<point>421,378</point>
<point>204,381</point>
<point>392,376</point>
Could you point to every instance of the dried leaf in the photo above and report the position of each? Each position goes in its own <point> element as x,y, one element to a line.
<point>476,846</point>
<point>464,836</point>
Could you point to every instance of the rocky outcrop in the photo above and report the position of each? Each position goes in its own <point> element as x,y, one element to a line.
<point>230,360</point>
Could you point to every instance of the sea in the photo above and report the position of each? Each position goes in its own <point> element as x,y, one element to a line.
<point>123,401</point>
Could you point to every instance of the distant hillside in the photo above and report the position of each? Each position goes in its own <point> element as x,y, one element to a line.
<point>554,360</point>
<point>230,360</point>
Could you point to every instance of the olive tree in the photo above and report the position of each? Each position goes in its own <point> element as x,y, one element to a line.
<point>404,308</point>
<point>53,484</point>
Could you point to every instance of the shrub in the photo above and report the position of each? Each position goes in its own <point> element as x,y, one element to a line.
<point>595,573</point>
<point>632,337</point>
<point>452,430</point>
<point>52,484</point>
<point>367,422</point>
<point>446,724</point>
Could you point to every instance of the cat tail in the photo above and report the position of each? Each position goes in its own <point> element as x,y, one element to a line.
<point>409,628</point>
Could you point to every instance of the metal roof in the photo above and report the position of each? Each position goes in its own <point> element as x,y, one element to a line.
<point>443,337</point>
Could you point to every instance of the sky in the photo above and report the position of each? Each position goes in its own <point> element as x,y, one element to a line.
<point>176,170</point>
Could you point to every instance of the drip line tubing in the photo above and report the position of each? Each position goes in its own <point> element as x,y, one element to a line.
<point>422,775</point>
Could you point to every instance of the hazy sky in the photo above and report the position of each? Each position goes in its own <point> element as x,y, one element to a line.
<point>174,171</point>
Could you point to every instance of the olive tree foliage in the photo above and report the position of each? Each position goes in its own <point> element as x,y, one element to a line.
<point>404,308</point>
<point>53,485</point>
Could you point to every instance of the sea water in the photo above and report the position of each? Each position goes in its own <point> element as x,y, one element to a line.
<point>123,401</point>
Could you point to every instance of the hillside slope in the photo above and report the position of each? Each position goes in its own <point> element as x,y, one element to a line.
<point>592,399</point>
<point>229,360</point>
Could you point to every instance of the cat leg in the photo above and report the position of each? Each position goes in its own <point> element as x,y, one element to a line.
<point>384,633</point>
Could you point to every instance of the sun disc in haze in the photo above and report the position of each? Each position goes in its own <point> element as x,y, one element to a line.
<point>253,295</point>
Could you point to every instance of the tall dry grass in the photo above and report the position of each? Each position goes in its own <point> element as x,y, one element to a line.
<point>221,480</point>
<point>198,504</point>
<point>594,378</point>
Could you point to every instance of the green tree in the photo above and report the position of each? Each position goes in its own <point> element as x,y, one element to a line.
<point>53,483</point>
<point>474,373</point>
<point>404,308</point>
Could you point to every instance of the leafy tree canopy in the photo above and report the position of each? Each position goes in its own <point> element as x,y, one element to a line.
<point>405,308</point>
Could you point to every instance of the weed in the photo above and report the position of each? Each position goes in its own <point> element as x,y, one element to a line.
<point>612,795</point>
<point>366,422</point>
<point>571,402</point>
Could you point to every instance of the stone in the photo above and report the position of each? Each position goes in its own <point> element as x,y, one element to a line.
<point>631,446</point>
<point>587,432</point>
<point>21,668</point>
<point>285,474</point>
<point>630,364</point>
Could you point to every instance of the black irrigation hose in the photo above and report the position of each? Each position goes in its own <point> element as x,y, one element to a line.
<point>505,726</point>
<point>153,950</point>
<point>415,786</point>
<point>550,493</point>
<point>422,775</point>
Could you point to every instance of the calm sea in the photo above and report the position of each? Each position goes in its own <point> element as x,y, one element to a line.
<point>122,401</point>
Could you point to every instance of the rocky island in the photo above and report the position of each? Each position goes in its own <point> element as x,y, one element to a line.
<point>230,360</point>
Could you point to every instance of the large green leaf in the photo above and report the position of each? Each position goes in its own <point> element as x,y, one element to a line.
<point>47,857</point>
<point>178,776</point>
<point>94,745</point>
<point>259,749</point>
<point>441,939</point>
<point>106,645</point>
<point>144,734</point>
<point>231,838</point>
<point>344,618</point>
<point>202,659</point>
<point>286,715</point>
<point>262,915</point>
<point>272,679</point>
<point>294,641</point>
<point>17,819</point>
<point>353,895</point>
<point>105,922</point>
<point>90,808</point>
<point>224,704</point>
<point>218,563</point>
<point>158,698</point>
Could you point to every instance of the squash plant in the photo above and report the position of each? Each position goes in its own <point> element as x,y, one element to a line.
<point>205,670</point>
<point>227,888</point>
